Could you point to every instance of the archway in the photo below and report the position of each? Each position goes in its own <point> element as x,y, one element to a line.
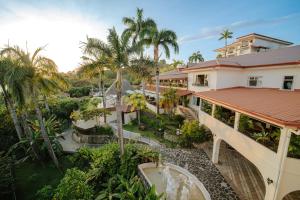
<point>292,196</point>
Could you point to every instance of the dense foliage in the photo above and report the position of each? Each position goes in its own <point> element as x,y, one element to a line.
<point>191,133</point>
<point>6,177</point>
<point>102,173</point>
<point>225,115</point>
<point>79,91</point>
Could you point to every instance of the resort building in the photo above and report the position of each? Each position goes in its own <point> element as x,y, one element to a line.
<point>252,43</point>
<point>252,103</point>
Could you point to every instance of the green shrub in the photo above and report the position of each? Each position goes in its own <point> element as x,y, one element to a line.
<point>179,119</point>
<point>6,178</point>
<point>104,130</point>
<point>62,108</point>
<point>79,91</point>
<point>74,186</point>
<point>294,147</point>
<point>45,193</point>
<point>192,133</point>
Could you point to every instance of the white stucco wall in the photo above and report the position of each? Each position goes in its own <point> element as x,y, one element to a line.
<point>266,43</point>
<point>212,80</point>
<point>228,78</point>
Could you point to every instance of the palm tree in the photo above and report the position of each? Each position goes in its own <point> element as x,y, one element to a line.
<point>94,64</point>
<point>136,27</point>
<point>118,51</point>
<point>138,103</point>
<point>40,78</point>
<point>224,36</point>
<point>8,66</point>
<point>160,38</point>
<point>142,69</point>
<point>169,100</point>
<point>196,57</point>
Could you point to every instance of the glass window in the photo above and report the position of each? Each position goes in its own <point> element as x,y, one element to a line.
<point>201,80</point>
<point>254,81</point>
<point>288,82</point>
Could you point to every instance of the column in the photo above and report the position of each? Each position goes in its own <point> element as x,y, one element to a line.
<point>237,120</point>
<point>216,149</point>
<point>213,110</point>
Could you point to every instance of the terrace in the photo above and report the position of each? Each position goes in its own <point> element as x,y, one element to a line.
<point>261,124</point>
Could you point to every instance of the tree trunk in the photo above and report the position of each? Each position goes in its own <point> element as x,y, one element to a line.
<point>29,135</point>
<point>143,87</point>
<point>13,114</point>
<point>157,78</point>
<point>103,94</point>
<point>225,48</point>
<point>46,103</point>
<point>45,134</point>
<point>139,117</point>
<point>119,110</point>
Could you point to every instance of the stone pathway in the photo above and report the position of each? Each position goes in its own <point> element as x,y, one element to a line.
<point>197,162</point>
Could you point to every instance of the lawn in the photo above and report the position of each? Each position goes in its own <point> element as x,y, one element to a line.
<point>32,176</point>
<point>152,124</point>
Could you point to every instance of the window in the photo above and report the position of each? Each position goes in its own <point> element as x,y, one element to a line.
<point>254,81</point>
<point>201,80</point>
<point>288,82</point>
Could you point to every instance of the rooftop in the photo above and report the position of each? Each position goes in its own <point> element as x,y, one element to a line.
<point>265,37</point>
<point>173,74</point>
<point>274,57</point>
<point>179,92</point>
<point>272,105</point>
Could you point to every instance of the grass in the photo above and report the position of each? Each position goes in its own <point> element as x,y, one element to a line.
<point>148,133</point>
<point>32,176</point>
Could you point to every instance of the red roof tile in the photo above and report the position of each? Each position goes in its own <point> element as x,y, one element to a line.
<point>273,105</point>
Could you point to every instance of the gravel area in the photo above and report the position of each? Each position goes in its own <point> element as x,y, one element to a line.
<point>197,162</point>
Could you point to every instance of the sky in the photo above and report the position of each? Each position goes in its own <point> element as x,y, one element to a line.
<point>61,25</point>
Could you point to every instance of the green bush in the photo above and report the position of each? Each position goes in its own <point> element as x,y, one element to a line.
<point>62,108</point>
<point>79,91</point>
<point>294,147</point>
<point>6,178</point>
<point>192,133</point>
<point>74,186</point>
<point>45,193</point>
<point>104,130</point>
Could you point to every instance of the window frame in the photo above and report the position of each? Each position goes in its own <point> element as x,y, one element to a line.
<point>258,81</point>
<point>205,79</point>
<point>293,82</point>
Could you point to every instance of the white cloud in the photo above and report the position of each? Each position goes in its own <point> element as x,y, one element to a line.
<point>61,31</point>
<point>212,32</point>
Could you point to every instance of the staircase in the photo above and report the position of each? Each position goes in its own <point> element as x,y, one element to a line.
<point>187,113</point>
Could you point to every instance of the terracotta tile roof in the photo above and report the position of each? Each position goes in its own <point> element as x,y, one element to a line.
<point>274,57</point>
<point>179,92</point>
<point>174,74</point>
<point>273,105</point>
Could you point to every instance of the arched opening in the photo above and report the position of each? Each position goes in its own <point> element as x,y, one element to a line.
<point>240,173</point>
<point>292,196</point>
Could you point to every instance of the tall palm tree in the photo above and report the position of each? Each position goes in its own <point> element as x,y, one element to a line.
<point>118,51</point>
<point>169,100</point>
<point>226,34</point>
<point>138,103</point>
<point>164,39</point>
<point>41,72</point>
<point>136,27</point>
<point>196,57</point>
<point>94,64</point>
<point>6,66</point>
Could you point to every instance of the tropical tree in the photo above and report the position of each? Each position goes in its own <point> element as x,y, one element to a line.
<point>169,100</point>
<point>196,57</point>
<point>164,39</point>
<point>226,34</point>
<point>136,28</point>
<point>138,103</point>
<point>41,77</point>
<point>118,51</point>
<point>94,64</point>
<point>8,66</point>
<point>141,68</point>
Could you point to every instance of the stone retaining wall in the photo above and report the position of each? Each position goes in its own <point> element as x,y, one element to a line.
<point>92,139</point>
